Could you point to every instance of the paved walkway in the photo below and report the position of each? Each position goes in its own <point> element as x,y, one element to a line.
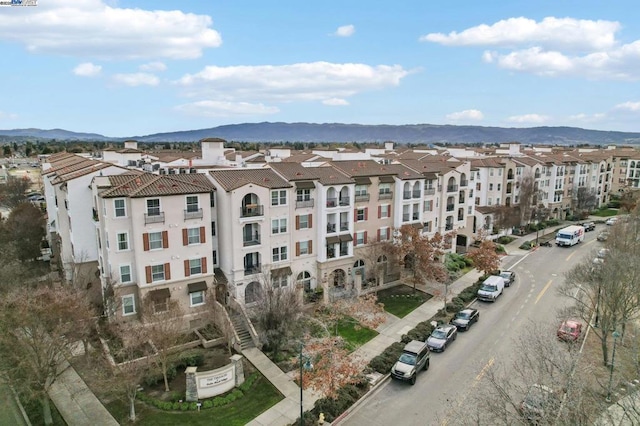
<point>11,412</point>
<point>76,403</point>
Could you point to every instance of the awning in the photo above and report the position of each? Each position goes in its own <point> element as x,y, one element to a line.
<point>333,240</point>
<point>159,295</point>
<point>199,286</point>
<point>362,180</point>
<point>387,179</point>
<point>281,272</point>
<point>346,237</point>
<point>417,225</point>
<point>305,184</point>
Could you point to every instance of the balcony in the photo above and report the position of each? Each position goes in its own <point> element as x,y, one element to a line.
<point>344,201</point>
<point>252,210</point>
<point>332,202</point>
<point>452,188</point>
<point>406,217</point>
<point>252,269</point>
<point>344,252</point>
<point>362,197</point>
<point>461,199</point>
<point>416,193</point>
<point>155,217</point>
<point>193,214</point>
<point>252,240</point>
<point>450,207</point>
<point>429,191</point>
<point>304,203</point>
<point>406,195</point>
<point>385,195</point>
<point>331,227</point>
<point>344,226</point>
<point>548,173</point>
<point>464,183</point>
<point>448,227</point>
<point>415,216</point>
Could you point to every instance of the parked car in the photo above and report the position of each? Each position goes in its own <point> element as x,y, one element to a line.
<point>441,337</point>
<point>569,330</point>
<point>603,236</point>
<point>491,289</point>
<point>415,356</point>
<point>612,220</point>
<point>602,253</point>
<point>539,403</point>
<point>508,277</point>
<point>465,318</point>
<point>589,226</point>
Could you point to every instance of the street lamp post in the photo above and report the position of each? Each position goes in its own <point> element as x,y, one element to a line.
<point>306,365</point>
<point>613,360</point>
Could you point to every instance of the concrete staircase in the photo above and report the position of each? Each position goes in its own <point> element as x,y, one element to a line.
<point>240,325</point>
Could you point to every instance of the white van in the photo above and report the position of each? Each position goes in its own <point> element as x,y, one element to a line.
<point>491,288</point>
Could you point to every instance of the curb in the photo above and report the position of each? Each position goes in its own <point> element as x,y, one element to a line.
<point>362,399</point>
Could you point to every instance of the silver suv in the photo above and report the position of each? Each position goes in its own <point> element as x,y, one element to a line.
<point>415,356</point>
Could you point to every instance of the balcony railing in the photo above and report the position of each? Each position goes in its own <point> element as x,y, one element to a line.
<point>252,210</point>
<point>344,252</point>
<point>405,217</point>
<point>406,195</point>
<point>452,188</point>
<point>509,190</point>
<point>416,194</point>
<point>464,183</point>
<point>331,227</point>
<point>252,269</point>
<point>415,216</point>
<point>253,240</point>
<point>304,203</point>
<point>344,201</point>
<point>448,227</point>
<point>362,197</point>
<point>194,214</point>
<point>157,217</point>
<point>332,202</point>
<point>510,177</point>
<point>344,226</point>
<point>385,195</point>
<point>461,200</point>
<point>450,207</point>
<point>429,191</point>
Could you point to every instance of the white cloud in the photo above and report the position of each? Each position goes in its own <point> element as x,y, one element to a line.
<point>629,106</point>
<point>316,81</point>
<point>335,102</point>
<point>92,28</point>
<point>7,116</point>
<point>136,79</point>
<point>225,109</point>
<point>588,118</point>
<point>153,66</point>
<point>468,114</point>
<point>528,118</point>
<point>87,69</point>
<point>345,31</point>
<point>551,32</point>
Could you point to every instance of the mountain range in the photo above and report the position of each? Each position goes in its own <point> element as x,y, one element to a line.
<point>361,133</point>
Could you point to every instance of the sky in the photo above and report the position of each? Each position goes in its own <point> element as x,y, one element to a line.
<point>132,68</point>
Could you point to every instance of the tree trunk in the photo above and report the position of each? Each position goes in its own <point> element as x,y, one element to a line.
<point>132,408</point>
<point>164,375</point>
<point>46,410</point>
<point>605,350</point>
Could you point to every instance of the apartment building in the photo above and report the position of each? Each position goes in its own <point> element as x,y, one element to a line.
<point>154,242</point>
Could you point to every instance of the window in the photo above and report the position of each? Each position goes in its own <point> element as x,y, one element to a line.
<point>304,278</point>
<point>490,187</point>
<point>280,281</point>
<point>215,257</point>
<point>303,221</point>
<point>360,215</point>
<point>193,236</point>
<point>157,273</point>
<point>119,207</point>
<point>213,228</point>
<point>197,298</point>
<point>489,202</point>
<point>155,240</point>
<point>304,247</point>
<point>195,266</point>
<point>303,195</point>
<point>192,203</point>
<point>384,188</point>
<point>125,273</point>
<point>212,199</point>
<point>153,207</point>
<point>428,205</point>
<point>499,185</point>
<point>278,226</point>
<point>360,238</point>
<point>279,254</point>
<point>128,304</point>
<point>123,241</point>
<point>279,198</point>
<point>491,172</point>
<point>383,234</point>
<point>361,190</point>
<point>499,172</point>
<point>384,211</point>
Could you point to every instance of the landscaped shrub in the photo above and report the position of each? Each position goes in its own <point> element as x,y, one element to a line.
<point>193,406</point>
<point>207,404</point>
<point>184,406</point>
<point>175,406</point>
<point>526,245</point>
<point>552,222</point>
<point>505,239</point>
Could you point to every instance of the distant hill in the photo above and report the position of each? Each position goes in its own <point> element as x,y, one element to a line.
<point>342,133</point>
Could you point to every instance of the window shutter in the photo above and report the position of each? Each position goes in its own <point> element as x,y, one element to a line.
<point>365,237</point>
<point>187,269</point>
<point>297,249</point>
<point>310,246</point>
<point>145,241</point>
<point>165,239</point>
<point>167,271</point>
<point>203,238</point>
<point>378,234</point>
<point>389,210</point>
<point>355,238</point>
<point>379,212</point>
<point>147,270</point>
<point>185,237</point>
<point>204,265</point>
<point>366,213</point>
<point>310,221</point>
<point>297,222</point>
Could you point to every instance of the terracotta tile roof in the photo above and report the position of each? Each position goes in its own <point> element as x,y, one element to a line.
<point>527,161</point>
<point>329,175</point>
<point>364,168</point>
<point>440,165</point>
<point>237,178</point>
<point>199,179</point>
<point>67,162</point>
<point>137,185</point>
<point>494,162</point>
<point>130,151</point>
<point>294,171</point>
<point>90,168</point>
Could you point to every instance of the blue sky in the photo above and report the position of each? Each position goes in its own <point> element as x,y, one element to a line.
<point>129,68</point>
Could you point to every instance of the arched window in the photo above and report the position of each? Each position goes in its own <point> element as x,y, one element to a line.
<point>252,292</point>
<point>304,279</point>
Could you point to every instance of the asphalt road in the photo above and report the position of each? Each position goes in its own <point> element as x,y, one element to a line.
<point>456,373</point>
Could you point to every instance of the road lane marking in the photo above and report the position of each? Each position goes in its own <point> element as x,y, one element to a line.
<point>484,370</point>
<point>569,257</point>
<point>546,287</point>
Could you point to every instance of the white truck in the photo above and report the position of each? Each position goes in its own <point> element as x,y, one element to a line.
<point>569,236</point>
<point>491,289</point>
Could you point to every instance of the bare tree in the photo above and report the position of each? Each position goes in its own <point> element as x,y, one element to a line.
<point>484,257</point>
<point>24,229</point>
<point>528,197</point>
<point>373,254</point>
<point>35,325</point>
<point>14,191</point>
<point>505,217</point>
<point>584,200</point>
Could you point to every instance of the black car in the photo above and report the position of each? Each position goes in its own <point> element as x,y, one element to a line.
<point>589,226</point>
<point>465,318</point>
<point>441,337</point>
<point>508,276</point>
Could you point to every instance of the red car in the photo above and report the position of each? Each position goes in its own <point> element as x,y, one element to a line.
<point>570,331</point>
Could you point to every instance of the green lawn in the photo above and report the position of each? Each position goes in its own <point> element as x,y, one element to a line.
<point>604,213</point>
<point>401,300</point>
<point>354,334</point>
<point>260,398</point>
